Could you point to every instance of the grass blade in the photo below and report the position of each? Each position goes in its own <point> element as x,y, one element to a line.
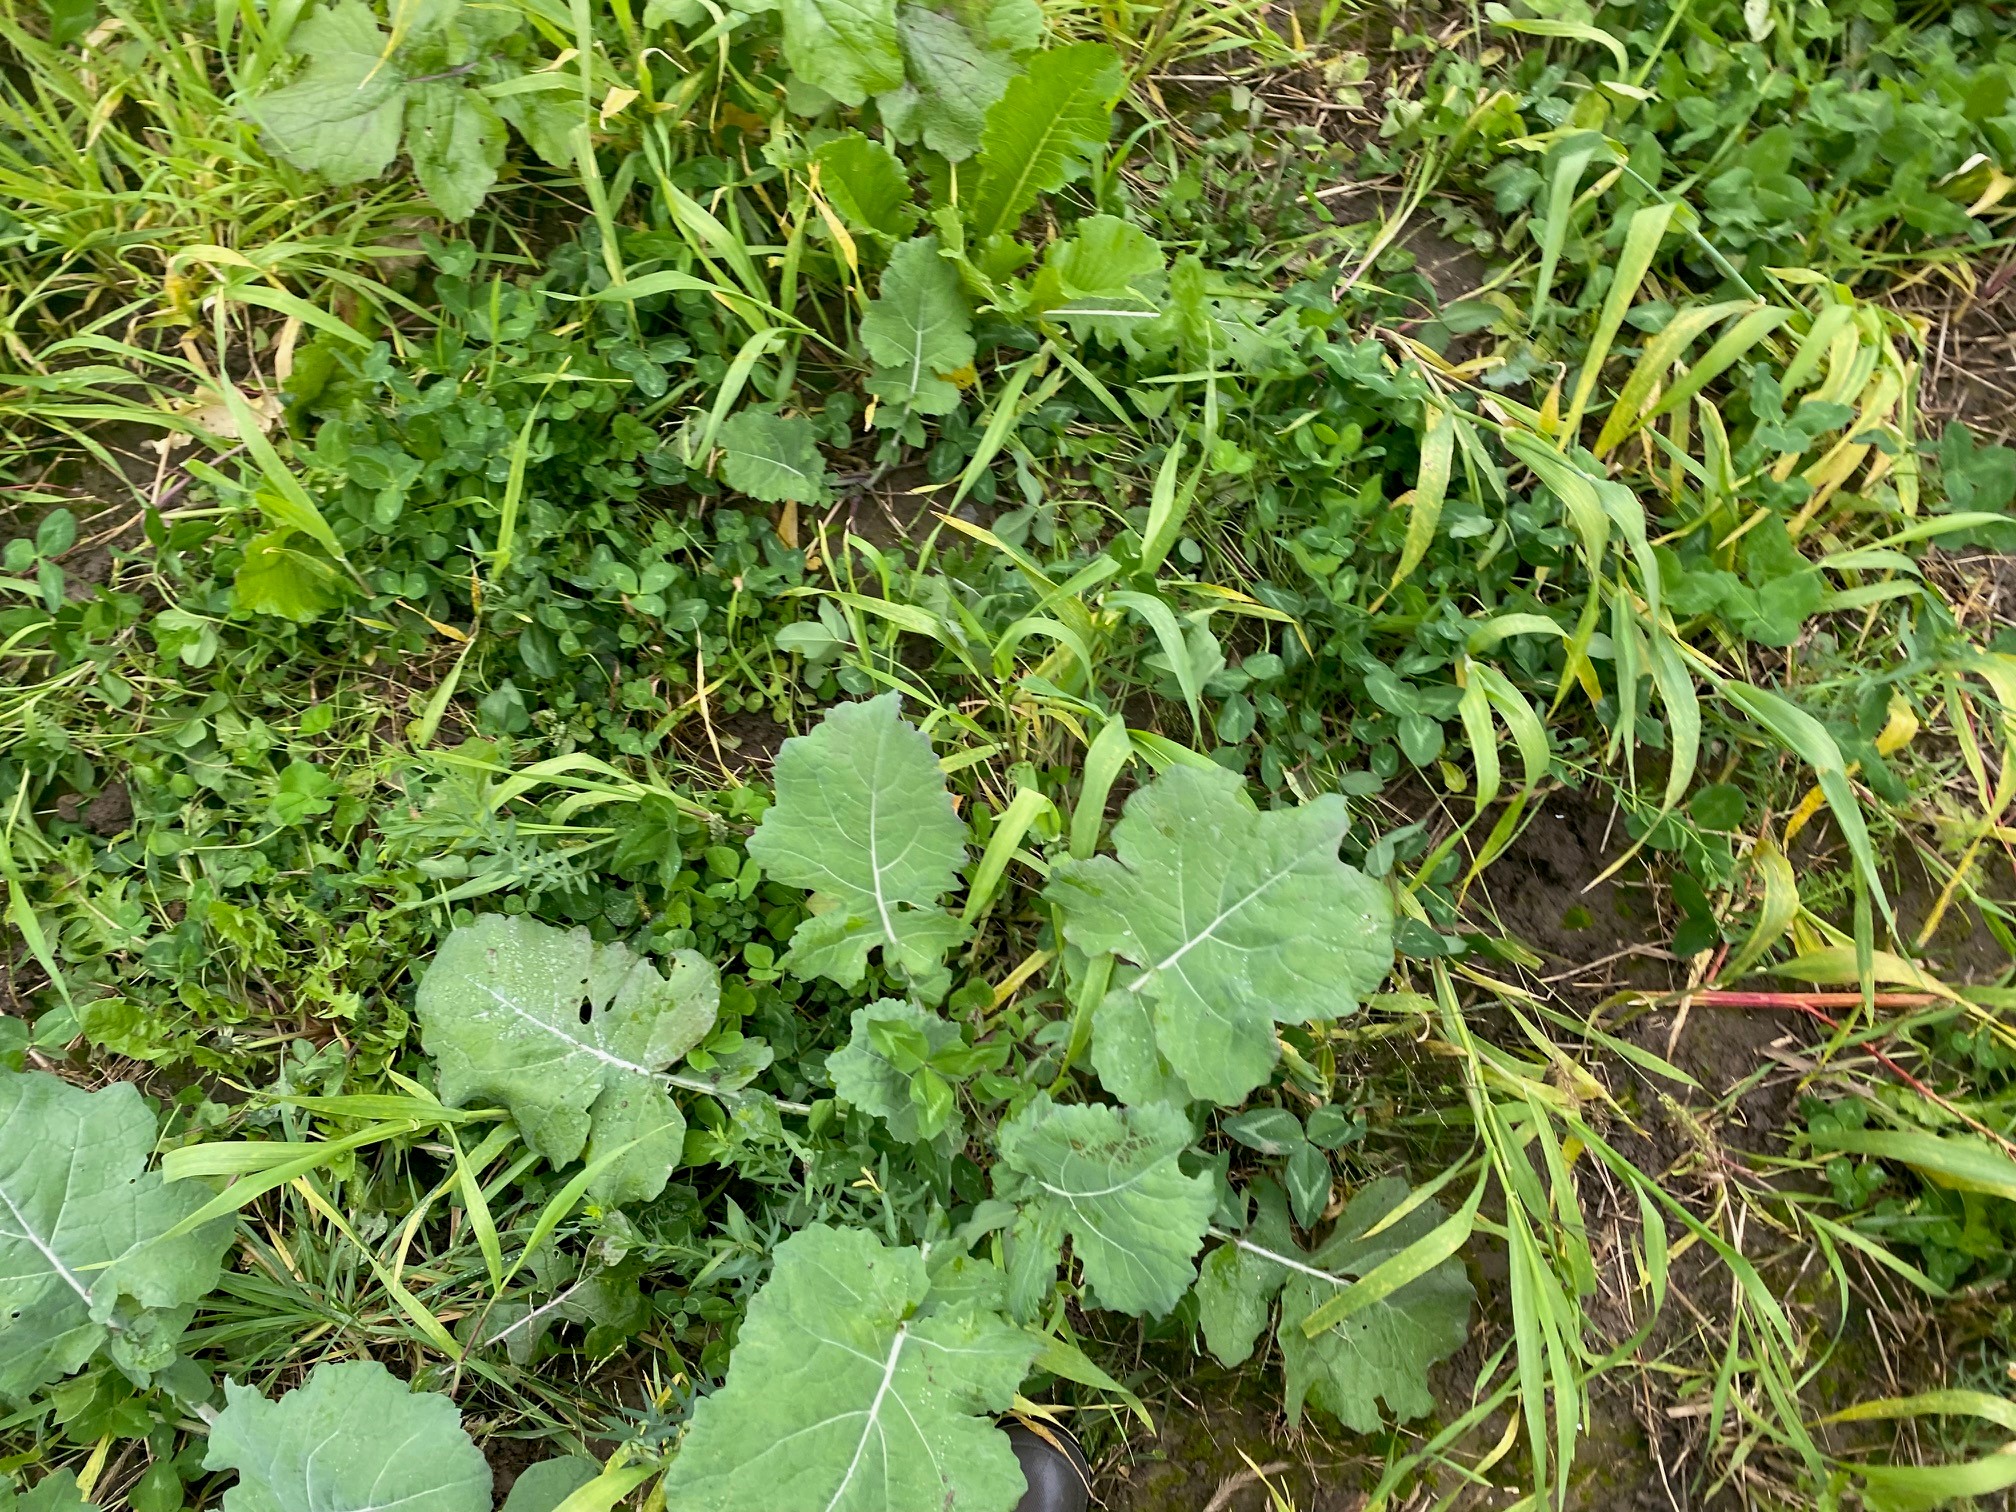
<point>1641,244</point>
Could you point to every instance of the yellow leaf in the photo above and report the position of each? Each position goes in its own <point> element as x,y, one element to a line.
<point>614,102</point>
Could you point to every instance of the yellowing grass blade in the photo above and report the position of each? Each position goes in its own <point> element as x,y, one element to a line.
<point>1805,737</point>
<point>1660,353</point>
<point>1814,344</point>
<point>1683,714</point>
<point>1576,490</point>
<point>1994,1409</point>
<point>1834,965</point>
<point>1578,31</point>
<point>1917,1488</point>
<point>1961,1162</point>
<point>1571,160</point>
<point>1529,735</point>
<point>1779,907</point>
<point>1728,348</point>
<point>1641,243</point>
<point>1430,488</point>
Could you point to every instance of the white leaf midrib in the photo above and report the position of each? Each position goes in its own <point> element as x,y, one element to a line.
<point>871,1423</point>
<point>918,332</point>
<point>1209,931</point>
<point>46,1247</point>
<point>586,1047</point>
<point>1128,1185</point>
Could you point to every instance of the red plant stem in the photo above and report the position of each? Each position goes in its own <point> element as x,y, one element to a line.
<point>1805,1003</point>
<point>1808,1000</point>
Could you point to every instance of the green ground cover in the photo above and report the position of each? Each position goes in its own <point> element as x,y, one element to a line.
<point>736,735</point>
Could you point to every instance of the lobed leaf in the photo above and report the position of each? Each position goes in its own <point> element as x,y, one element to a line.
<point>862,818</point>
<point>1046,130</point>
<point>353,1438</point>
<point>1237,920</point>
<point>918,329</point>
<point>772,457</point>
<point>82,1262</point>
<point>849,48</point>
<point>341,118</point>
<point>959,58</point>
<point>1108,1178</point>
<point>865,1077</point>
<point>1124,1053</point>
<point>1104,278</point>
<point>278,579</point>
<point>456,140</point>
<point>572,1037</point>
<point>1381,1351</point>
<point>1239,1280</point>
<point>853,1389</point>
<point>866,185</point>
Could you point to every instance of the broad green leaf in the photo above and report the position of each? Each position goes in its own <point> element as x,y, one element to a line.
<point>354,1438</point>
<point>771,457</point>
<point>1271,1131</point>
<point>1046,130</point>
<point>1103,278</point>
<point>863,820</point>
<point>546,119</point>
<point>864,1076</point>
<point>1383,1350</point>
<point>959,57</point>
<point>572,1037</point>
<point>69,20</point>
<point>276,578</point>
<point>848,1391</point>
<point>81,1265</point>
<point>341,117</point>
<point>544,1486</point>
<point>1239,1280</point>
<point>1124,1053</point>
<point>918,329</point>
<point>55,1492</point>
<point>865,183</point>
<point>849,48</point>
<point>1236,920</point>
<point>1109,1178</point>
<point>1235,1301</point>
<point>456,140</point>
